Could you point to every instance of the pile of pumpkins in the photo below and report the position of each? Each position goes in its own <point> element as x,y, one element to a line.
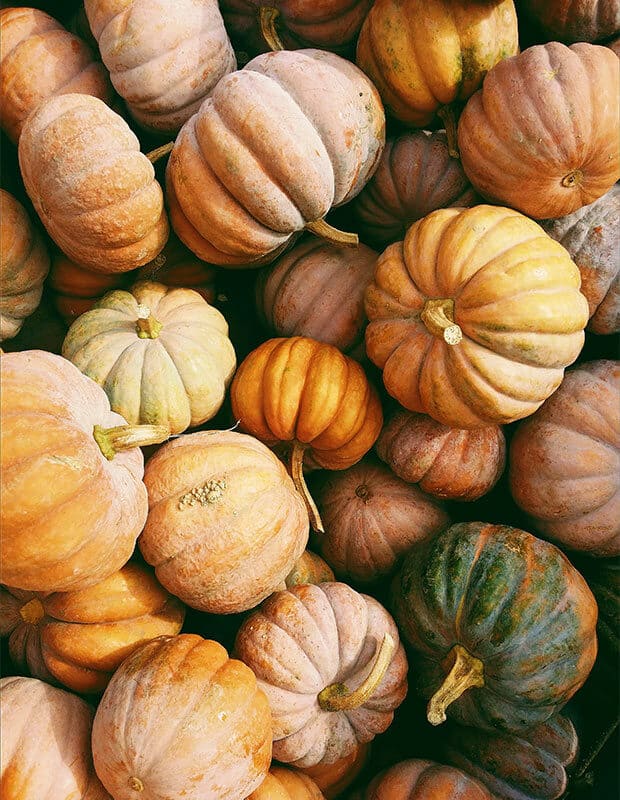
<point>309,433</point>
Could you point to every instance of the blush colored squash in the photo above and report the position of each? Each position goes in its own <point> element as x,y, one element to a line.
<point>94,190</point>
<point>77,289</point>
<point>79,638</point>
<point>162,355</point>
<point>331,665</point>
<point>416,175</point>
<point>474,316</point>
<point>225,524</point>
<point>372,518</point>
<point>521,141</point>
<point>24,263</point>
<point>164,56</point>
<point>317,290</point>
<point>502,626</point>
<point>181,719</point>
<point>575,20</point>
<point>565,461</point>
<point>178,267</point>
<point>41,59</point>
<point>592,237</point>
<point>455,463</point>
<point>45,743</point>
<point>73,501</point>
<point>333,779</point>
<point>287,784</point>
<point>421,780</point>
<point>267,155</point>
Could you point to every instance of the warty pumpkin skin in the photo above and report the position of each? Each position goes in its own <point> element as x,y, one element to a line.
<point>502,627</point>
<point>41,59</point>
<point>24,263</point>
<point>474,316</point>
<point>416,779</point>
<point>575,20</point>
<point>164,56</point>
<point>181,719</point>
<point>312,648</point>
<point>287,784</point>
<point>565,461</point>
<point>266,157</point>
<point>162,355</point>
<point>94,190</point>
<point>79,638</point>
<point>225,524</point>
<point>541,135</point>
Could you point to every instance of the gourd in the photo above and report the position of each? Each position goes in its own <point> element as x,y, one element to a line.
<point>417,779</point>
<point>575,20</point>
<point>287,784</point>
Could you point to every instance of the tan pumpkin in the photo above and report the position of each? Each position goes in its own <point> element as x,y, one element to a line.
<point>575,20</point>
<point>333,779</point>
<point>24,263</point>
<point>474,316</point>
<point>181,719</point>
<point>417,779</point>
<point>162,355</point>
<point>45,743</point>
<point>77,289</point>
<point>164,56</point>
<point>94,190</point>
<point>287,784</point>
<point>266,156</point>
<point>79,638</point>
<point>454,463</point>
<point>225,525</point>
<point>521,142</point>
<point>331,665</point>
<point>41,59</point>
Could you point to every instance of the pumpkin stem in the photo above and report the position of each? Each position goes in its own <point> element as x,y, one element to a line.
<point>448,117</point>
<point>125,437</point>
<point>467,671</point>
<point>363,492</point>
<point>33,612</point>
<point>159,152</point>
<point>297,474</point>
<point>333,235</point>
<point>572,179</point>
<point>338,698</point>
<point>438,316</point>
<point>267,16</point>
<point>147,327</point>
<point>136,784</point>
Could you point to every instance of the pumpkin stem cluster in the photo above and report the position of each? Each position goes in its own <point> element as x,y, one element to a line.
<point>297,474</point>
<point>126,437</point>
<point>467,671</point>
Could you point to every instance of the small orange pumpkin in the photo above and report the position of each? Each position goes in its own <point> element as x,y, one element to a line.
<point>76,289</point>
<point>309,568</point>
<point>333,779</point>
<point>287,784</point>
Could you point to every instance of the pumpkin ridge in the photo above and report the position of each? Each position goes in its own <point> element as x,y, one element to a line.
<point>483,536</point>
<point>311,622</point>
<point>60,214</point>
<point>560,142</point>
<point>273,656</point>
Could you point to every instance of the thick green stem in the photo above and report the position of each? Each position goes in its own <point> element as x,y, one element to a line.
<point>333,235</point>
<point>126,437</point>
<point>467,671</point>
<point>267,17</point>
<point>297,474</point>
<point>438,316</point>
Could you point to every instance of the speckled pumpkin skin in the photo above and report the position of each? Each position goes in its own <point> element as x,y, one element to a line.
<point>511,600</point>
<point>575,20</point>
<point>424,780</point>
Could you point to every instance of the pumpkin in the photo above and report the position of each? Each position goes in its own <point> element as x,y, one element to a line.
<point>77,289</point>
<point>308,394</point>
<point>317,290</point>
<point>43,330</point>
<point>45,743</point>
<point>178,267</point>
<point>162,355</point>
<point>225,524</point>
<point>415,176</point>
<point>417,779</point>
<point>90,184</point>
<point>591,237</point>
<point>164,56</point>
<point>474,316</point>
<point>181,719</point>
<point>502,625</point>
<point>333,779</point>
<point>575,20</point>
<point>455,463</point>
<point>529,766</point>
<point>73,501</point>
<point>24,263</point>
<point>331,664</point>
<point>372,518</point>
<point>266,156</point>
<point>565,461</point>
<point>523,145</point>
<point>41,59</point>
<point>79,638</point>
<point>287,784</point>
<point>309,568</point>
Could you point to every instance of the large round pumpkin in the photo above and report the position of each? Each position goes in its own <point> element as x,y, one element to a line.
<point>502,626</point>
<point>79,638</point>
<point>41,59</point>
<point>72,504</point>
<point>164,56</point>
<point>331,665</point>
<point>24,263</point>
<point>287,784</point>
<point>181,719</point>
<point>541,135</point>
<point>270,152</point>
<point>90,184</point>
<point>417,779</point>
<point>575,20</point>
<point>565,461</point>
<point>474,316</point>
<point>76,289</point>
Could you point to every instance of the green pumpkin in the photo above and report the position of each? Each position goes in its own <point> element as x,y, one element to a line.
<point>503,627</point>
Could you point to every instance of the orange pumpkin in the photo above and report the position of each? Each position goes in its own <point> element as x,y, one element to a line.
<point>179,268</point>
<point>333,779</point>
<point>41,59</point>
<point>309,568</point>
<point>422,780</point>
<point>24,263</point>
<point>474,316</point>
<point>287,784</point>
<point>76,289</point>
<point>79,638</point>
